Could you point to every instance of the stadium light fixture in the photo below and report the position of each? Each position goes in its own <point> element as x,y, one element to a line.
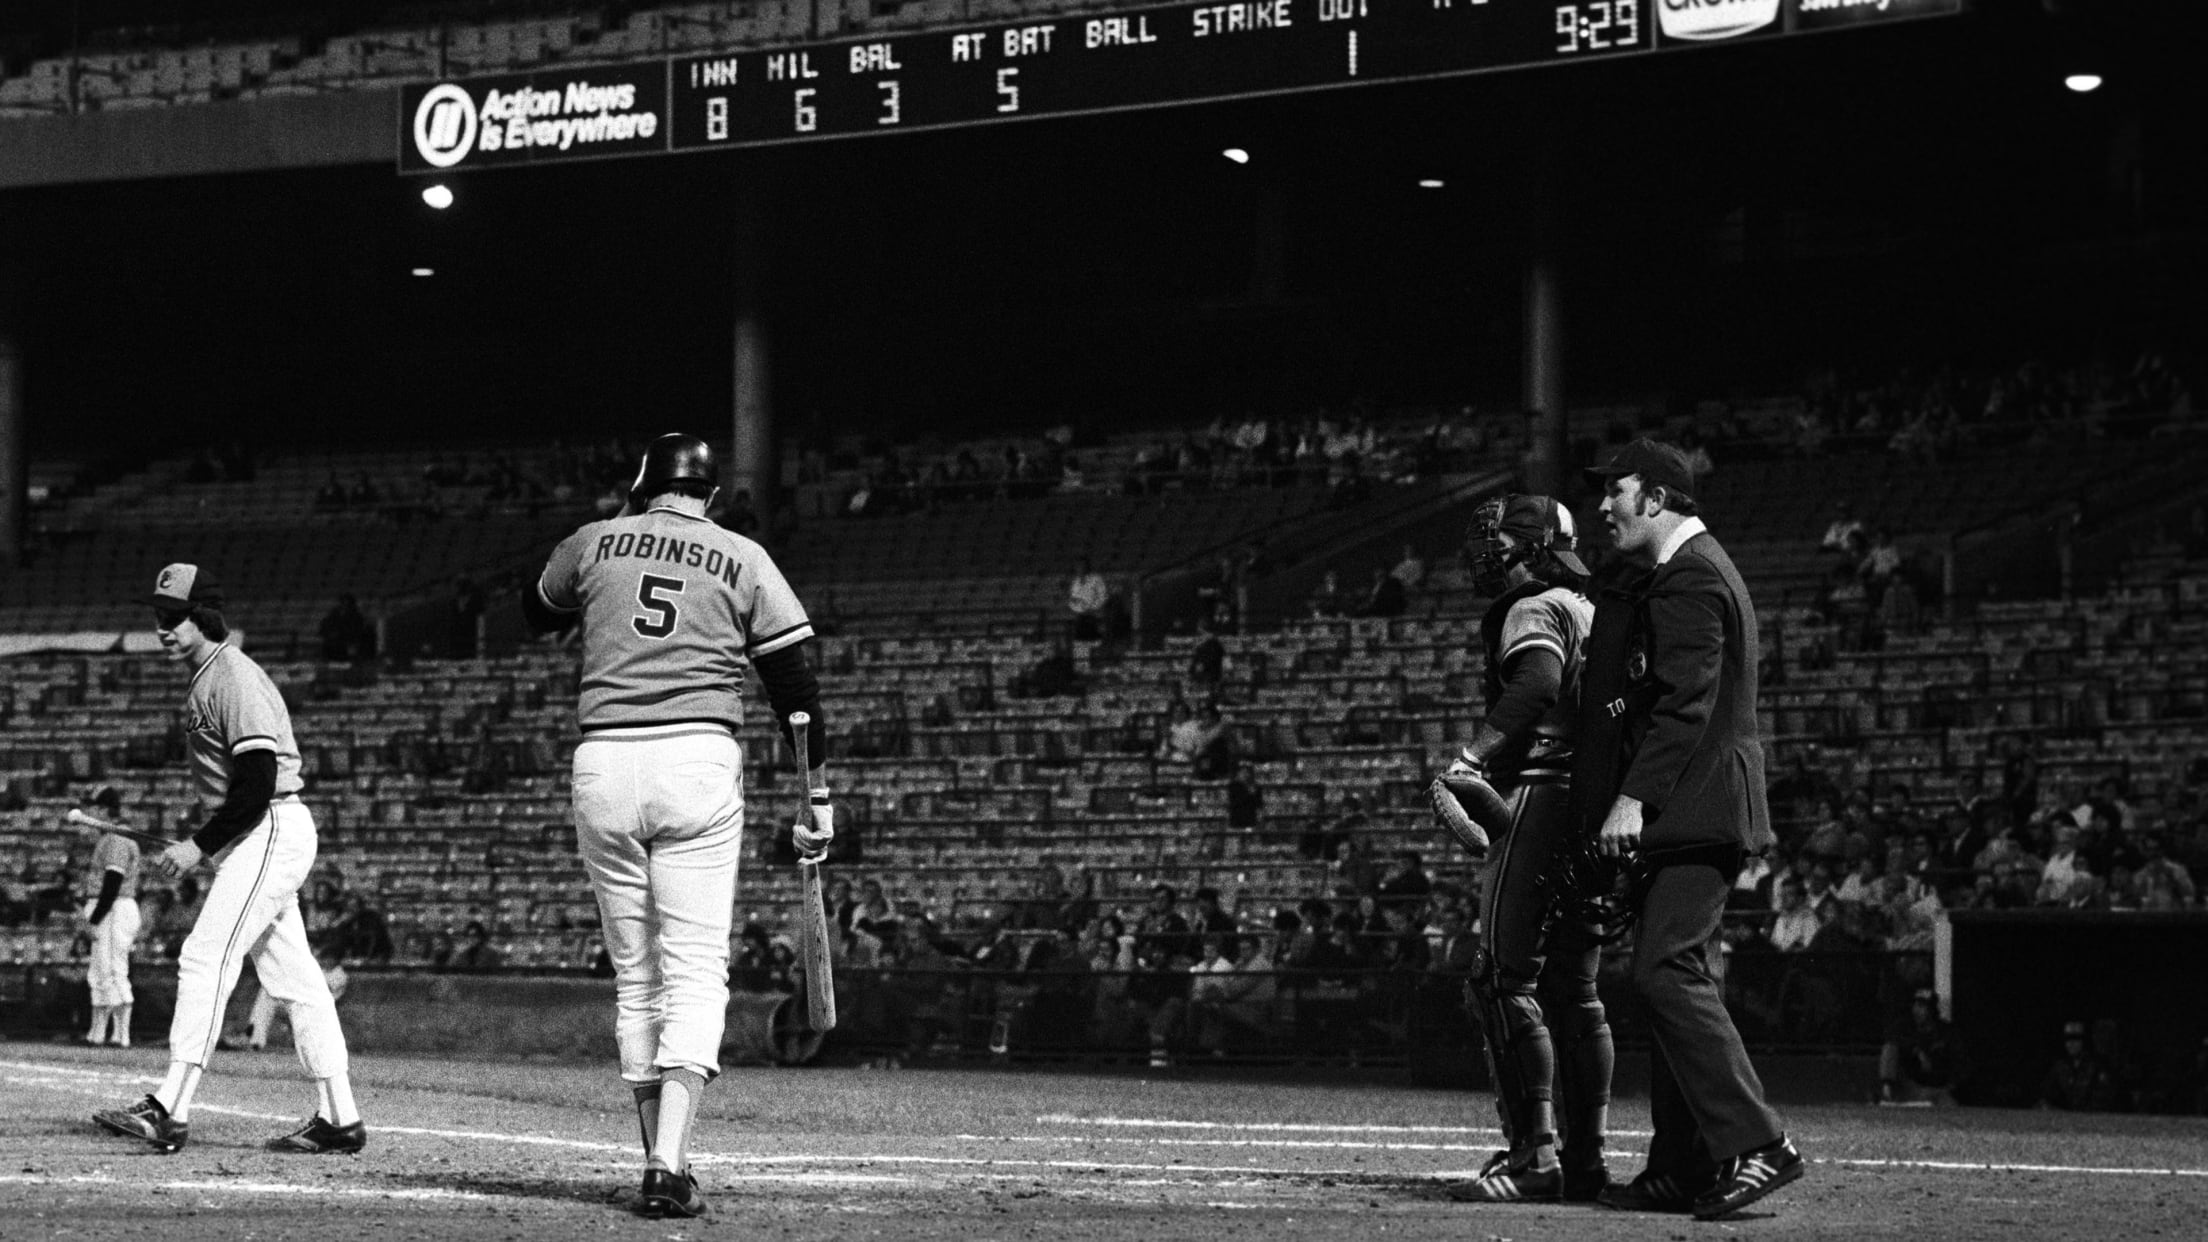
<point>2083,83</point>
<point>425,271</point>
<point>1237,155</point>
<point>1430,183</point>
<point>438,195</point>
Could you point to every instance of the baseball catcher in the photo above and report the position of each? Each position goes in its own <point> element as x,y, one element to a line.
<point>1533,982</point>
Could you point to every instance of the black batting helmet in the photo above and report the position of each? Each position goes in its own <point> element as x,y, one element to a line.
<point>672,461</point>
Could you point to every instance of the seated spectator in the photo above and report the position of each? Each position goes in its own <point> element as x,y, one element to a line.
<point>2078,1081</point>
<point>2067,879</point>
<point>1843,532</point>
<point>2002,886</point>
<point>476,951</point>
<point>1088,598</point>
<point>347,633</point>
<point>1385,598</point>
<point>1207,660</point>
<point>1860,885</point>
<point>1237,1000</point>
<point>2159,883</point>
<point>1162,927</point>
<point>1411,570</point>
<point>1323,839</point>
<point>1406,883</point>
<point>1326,599</point>
<point>1204,743</point>
<point>1245,799</point>
<point>1909,911</point>
<point>1797,922</point>
<point>1925,1063</point>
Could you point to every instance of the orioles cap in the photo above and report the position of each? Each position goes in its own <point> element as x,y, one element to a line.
<point>182,585</point>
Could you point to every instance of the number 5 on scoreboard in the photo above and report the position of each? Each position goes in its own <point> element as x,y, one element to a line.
<point>1009,89</point>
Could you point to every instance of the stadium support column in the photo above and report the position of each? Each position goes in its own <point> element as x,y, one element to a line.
<point>1546,416</point>
<point>14,454</point>
<point>1544,377</point>
<point>752,465</point>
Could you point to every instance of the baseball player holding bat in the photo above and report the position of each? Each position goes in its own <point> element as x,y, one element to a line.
<point>111,911</point>
<point>1536,966</point>
<point>262,841</point>
<point>673,610</point>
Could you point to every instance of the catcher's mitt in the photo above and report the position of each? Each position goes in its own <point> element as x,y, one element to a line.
<point>1468,807</point>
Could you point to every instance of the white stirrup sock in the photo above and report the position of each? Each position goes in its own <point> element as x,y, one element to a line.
<point>176,1090</point>
<point>679,1093</point>
<point>647,1112</point>
<point>336,1099</point>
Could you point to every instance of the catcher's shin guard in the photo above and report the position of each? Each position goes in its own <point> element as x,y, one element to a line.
<point>1519,1055</point>
<point>1585,1056</point>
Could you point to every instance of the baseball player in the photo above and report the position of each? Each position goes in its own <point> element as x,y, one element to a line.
<point>673,609</point>
<point>111,912</point>
<point>1536,965</point>
<point>261,839</point>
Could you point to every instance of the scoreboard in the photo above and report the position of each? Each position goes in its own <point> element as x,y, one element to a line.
<point>1061,65</point>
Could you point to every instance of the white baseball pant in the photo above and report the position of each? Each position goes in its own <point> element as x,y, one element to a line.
<point>659,819</point>
<point>108,970</point>
<point>253,908</point>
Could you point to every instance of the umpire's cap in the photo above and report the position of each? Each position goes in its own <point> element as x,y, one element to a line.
<point>182,586</point>
<point>670,460</point>
<point>1656,462</point>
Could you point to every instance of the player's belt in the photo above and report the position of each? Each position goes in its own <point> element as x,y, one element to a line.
<point>658,732</point>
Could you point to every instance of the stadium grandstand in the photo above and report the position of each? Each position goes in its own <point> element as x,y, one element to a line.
<point>1123,460</point>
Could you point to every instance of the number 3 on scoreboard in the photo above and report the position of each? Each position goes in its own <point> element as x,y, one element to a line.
<point>661,622</point>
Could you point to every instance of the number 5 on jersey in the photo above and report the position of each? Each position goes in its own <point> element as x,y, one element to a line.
<point>649,590</point>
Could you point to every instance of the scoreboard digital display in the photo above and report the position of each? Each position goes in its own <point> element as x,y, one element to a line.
<point>1061,65</point>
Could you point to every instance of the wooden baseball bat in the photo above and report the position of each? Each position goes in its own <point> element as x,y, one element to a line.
<point>812,929</point>
<point>88,820</point>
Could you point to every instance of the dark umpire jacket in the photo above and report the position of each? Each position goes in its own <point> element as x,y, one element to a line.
<point>1671,669</point>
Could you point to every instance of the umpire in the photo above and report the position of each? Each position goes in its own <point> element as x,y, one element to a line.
<point>1669,723</point>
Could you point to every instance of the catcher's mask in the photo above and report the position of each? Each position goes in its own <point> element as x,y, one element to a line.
<point>1515,529</point>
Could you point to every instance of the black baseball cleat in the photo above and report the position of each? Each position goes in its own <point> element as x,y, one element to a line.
<point>1584,1182</point>
<point>667,1193</point>
<point>1750,1176</point>
<point>1510,1177</point>
<point>319,1138</point>
<point>148,1121</point>
<point>1660,1192</point>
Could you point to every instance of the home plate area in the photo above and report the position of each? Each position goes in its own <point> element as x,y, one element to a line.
<point>491,1149</point>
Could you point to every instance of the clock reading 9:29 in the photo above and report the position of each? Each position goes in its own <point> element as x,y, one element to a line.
<point>1597,26</point>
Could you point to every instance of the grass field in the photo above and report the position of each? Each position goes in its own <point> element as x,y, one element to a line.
<point>485,1150</point>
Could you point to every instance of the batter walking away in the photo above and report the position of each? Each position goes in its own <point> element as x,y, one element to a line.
<point>673,610</point>
<point>1683,777</point>
<point>261,839</point>
<point>111,913</point>
<point>1533,981</point>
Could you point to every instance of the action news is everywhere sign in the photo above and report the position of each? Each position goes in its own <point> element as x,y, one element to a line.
<point>592,110</point>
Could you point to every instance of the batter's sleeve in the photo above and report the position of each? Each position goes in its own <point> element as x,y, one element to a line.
<point>252,787</point>
<point>773,617</point>
<point>791,687</point>
<point>111,885</point>
<point>559,588</point>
